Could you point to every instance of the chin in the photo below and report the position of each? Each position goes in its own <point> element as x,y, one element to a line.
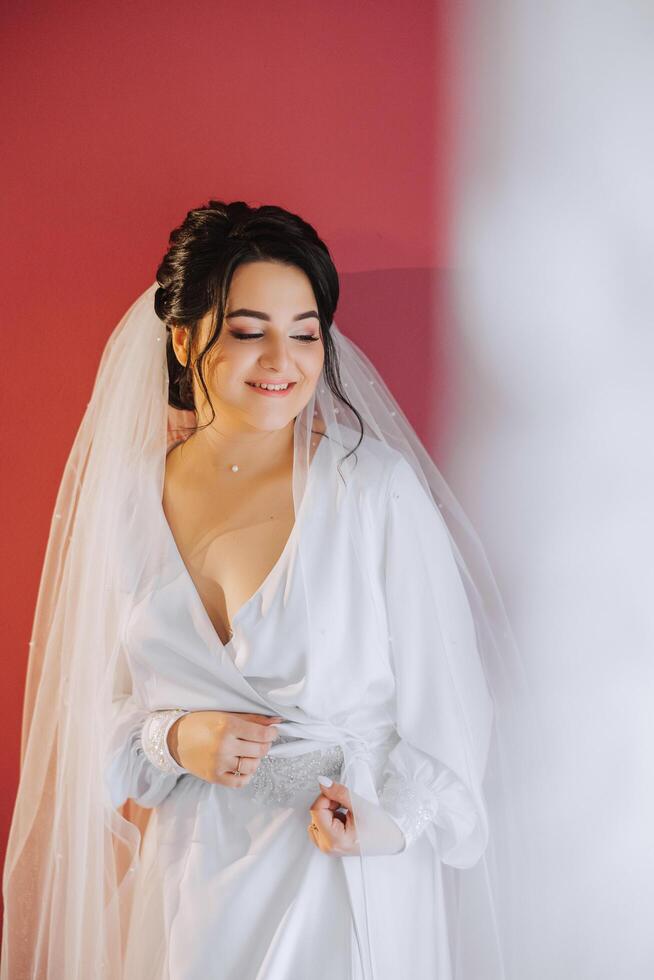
<point>264,425</point>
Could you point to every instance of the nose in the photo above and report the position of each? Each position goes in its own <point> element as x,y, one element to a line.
<point>276,354</point>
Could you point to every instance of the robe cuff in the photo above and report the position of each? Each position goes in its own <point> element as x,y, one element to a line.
<point>154,740</point>
<point>411,804</point>
<point>423,795</point>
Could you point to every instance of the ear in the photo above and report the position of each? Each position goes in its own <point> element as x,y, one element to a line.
<point>180,343</point>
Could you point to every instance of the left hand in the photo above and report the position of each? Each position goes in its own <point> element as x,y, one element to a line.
<point>336,833</point>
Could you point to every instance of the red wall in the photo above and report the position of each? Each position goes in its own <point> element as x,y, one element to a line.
<point>121,117</point>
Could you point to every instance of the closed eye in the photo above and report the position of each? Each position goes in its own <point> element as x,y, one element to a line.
<point>305,338</point>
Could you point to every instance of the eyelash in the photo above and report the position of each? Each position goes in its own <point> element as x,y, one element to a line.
<point>305,338</point>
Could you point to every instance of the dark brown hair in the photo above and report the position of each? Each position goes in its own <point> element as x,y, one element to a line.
<point>194,277</point>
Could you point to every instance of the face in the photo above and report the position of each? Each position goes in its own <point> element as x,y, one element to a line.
<point>271,334</point>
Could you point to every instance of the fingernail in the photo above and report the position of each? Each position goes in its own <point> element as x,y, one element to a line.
<point>325,780</point>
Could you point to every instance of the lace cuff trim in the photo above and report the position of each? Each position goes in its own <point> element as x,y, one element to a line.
<point>154,739</point>
<point>410,803</point>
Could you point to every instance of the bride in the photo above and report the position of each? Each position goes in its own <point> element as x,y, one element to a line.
<point>263,735</point>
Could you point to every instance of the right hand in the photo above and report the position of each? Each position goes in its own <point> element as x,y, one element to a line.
<point>208,743</point>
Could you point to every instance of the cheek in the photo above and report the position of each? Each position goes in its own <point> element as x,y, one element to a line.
<point>314,364</point>
<point>226,371</point>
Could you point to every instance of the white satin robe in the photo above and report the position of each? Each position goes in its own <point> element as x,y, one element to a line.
<point>233,890</point>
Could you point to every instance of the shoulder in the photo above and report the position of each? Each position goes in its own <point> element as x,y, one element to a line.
<point>376,461</point>
<point>387,483</point>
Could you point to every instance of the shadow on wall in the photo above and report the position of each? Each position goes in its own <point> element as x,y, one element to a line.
<point>400,319</point>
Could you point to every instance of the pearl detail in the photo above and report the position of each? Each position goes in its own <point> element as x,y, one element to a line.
<point>234,468</point>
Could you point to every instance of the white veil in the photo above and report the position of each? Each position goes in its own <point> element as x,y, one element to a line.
<point>72,857</point>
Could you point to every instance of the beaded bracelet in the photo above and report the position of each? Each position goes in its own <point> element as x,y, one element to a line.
<point>154,739</point>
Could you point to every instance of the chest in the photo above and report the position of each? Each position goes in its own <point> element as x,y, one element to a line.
<point>311,640</point>
<point>230,538</point>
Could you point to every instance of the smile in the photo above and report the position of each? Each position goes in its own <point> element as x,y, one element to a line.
<point>274,390</point>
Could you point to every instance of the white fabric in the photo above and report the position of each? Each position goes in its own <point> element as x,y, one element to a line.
<point>154,739</point>
<point>396,658</point>
<point>219,864</point>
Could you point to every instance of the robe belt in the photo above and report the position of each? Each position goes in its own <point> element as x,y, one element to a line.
<point>306,750</point>
<point>287,776</point>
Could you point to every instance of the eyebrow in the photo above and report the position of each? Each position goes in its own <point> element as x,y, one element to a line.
<point>264,316</point>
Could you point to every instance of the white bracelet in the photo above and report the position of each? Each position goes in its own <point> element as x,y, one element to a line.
<point>154,739</point>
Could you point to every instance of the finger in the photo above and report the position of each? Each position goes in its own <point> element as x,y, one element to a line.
<point>255,750</point>
<point>338,792</point>
<point>314,837</point>
<point>251,716</point>
<point>236,770</point>
<point>324,820</point>
<point>235,781</point>
<point>245,766</point>
<point>322,803</point>
<point>338,838</point>
<point>330,837</point>
<point>252,731</point>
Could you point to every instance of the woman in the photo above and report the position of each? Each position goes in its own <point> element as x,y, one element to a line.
<point>260,705</point>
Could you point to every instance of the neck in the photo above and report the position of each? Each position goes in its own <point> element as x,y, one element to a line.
<point>253,452</point>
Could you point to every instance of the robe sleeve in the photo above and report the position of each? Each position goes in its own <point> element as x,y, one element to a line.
<point>432,778</point>
<point>129,773</point>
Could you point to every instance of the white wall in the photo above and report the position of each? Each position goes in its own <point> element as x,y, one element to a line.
<point>553,452</point>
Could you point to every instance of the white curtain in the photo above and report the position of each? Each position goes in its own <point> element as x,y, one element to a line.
<point>552,357</point>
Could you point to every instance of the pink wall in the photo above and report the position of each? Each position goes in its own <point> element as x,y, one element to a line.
<point>122,117</point>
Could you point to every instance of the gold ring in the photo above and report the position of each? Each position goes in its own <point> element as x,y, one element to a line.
<point>314,826</point>
<point>237,771</point>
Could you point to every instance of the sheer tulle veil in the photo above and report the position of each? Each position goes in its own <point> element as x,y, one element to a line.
<point>72,857</point>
